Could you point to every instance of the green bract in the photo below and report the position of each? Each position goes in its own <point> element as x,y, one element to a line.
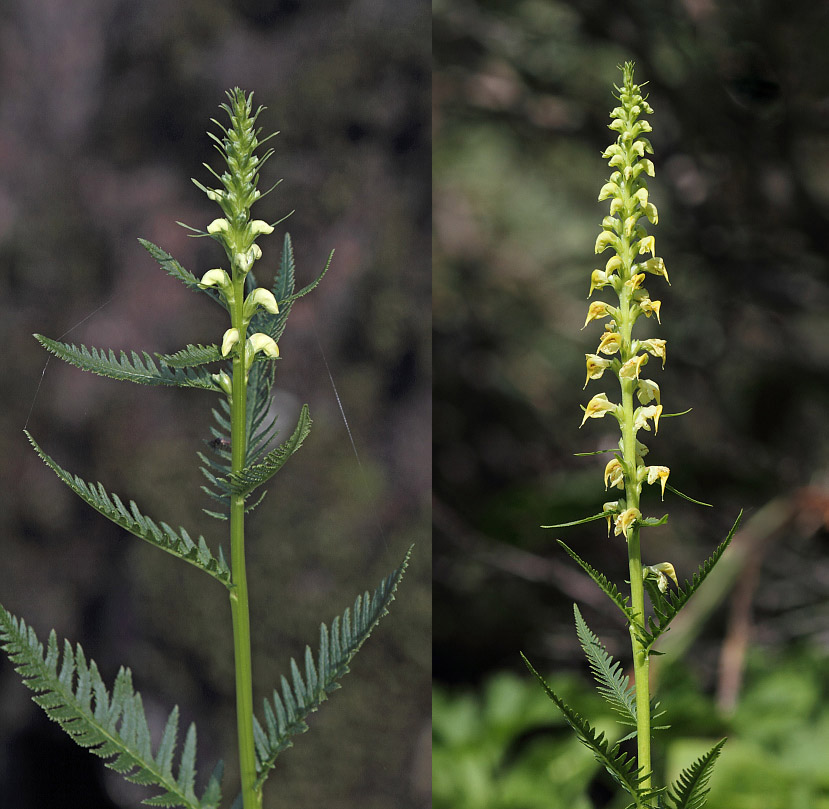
<point>638,408</point>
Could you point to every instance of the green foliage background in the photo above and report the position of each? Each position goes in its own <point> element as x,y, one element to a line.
<point>521,98</point>
<point>103,112</point>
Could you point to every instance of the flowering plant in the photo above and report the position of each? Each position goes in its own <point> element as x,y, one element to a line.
<point>240,369</point>
<point>623,355</point>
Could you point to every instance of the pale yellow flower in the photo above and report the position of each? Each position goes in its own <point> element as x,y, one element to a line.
<point>218,226</point>
<point>625,520</point>
<point>647,245</point>
<point>659,473</point>
<point>598,309</point>
<point>614,474</point>
<point>610,343</point>
<point>661,572</point>
<point>596,366</point>
<point>229,339</point>
<point>645,413</point>
<point>647,391</point>
<point>631,369</point>
<point>655,347</point>
<point>598,407</point>
<point>656,266</point>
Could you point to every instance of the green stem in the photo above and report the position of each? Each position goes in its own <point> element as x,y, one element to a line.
<point>640,660</point>
<point>240,611</point>
<point>632,492</point>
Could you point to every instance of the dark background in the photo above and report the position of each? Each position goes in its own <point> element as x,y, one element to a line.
<point>103,112</point>
<point>521,99</point>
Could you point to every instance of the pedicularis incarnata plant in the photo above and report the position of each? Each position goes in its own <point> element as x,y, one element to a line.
<point>112,723</point>
<point>622,355</point>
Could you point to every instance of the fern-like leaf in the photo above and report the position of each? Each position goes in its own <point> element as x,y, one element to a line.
<point>251,477</point>
<point>112,725</point>
<point>675,600</point>
<point>191,356</point>
<point>605,585</point>
<point>620,765</point>
<point>173,268</point>
<point>178,543</point>
<point>141,369</point>
<point>690,790</point>
<point>285,713</point>
<point>613,685</point>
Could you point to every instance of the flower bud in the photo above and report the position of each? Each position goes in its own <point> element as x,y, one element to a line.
<point>222,379</point>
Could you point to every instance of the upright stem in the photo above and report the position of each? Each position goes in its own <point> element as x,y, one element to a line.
<point>632,493</point>
<point>640,661</point>
<point>240,612</point>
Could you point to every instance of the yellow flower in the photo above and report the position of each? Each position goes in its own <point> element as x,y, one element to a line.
<point>635,282</point>
<point>596,366</point>
<point>258,226</point>
<point>641,196</point>
<point>261,297</point>
<point>659,473</point>
<point>650,307</point>
<point>655,347</point>
<point>610,343</point>
<point>646,245</point>
<point>215,278</point>
<point>656,266</point>
<point>230,338</point>
<point>598,309</point>
<point>625,520</point>
<point>647,391</point>
<point>597,408</point>
<point>218,226</point>
<point>614,264</point>
<point>598,279</point>
<point>604,240</point>
<point>631,369</point>
<point>661,573</point>
<point>614,474</point>
<point>265,344</point>
<point>645,413</point>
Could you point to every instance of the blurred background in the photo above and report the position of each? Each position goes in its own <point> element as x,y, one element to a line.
<point>521,98</point>
<point>103,110</point>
